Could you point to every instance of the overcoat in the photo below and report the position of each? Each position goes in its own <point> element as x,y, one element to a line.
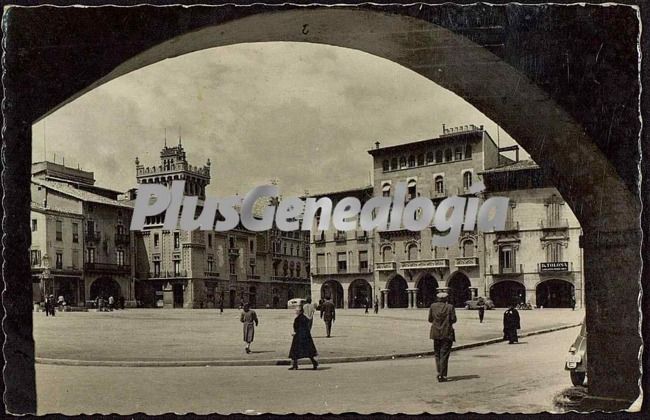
<point>510,324</point>
<point>442,316</point>
<point>302,344</point>
<point>250,320</point>
<point>328,311</point>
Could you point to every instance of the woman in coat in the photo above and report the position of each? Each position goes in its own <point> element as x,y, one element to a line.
<point>249,319</point>
<point>302,345</point>
<point>511,325</point>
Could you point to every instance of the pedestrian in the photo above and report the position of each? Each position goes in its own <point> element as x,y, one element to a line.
<point>48,306</point>
<point>111,303</point>
<point>52,306</point>
<point>320,307</point>
<point>442,316</point>
<point>328,314</point>
<point>481,309</point>
<point>573,303</point>
<point>250,321</point>
<point>221,305</point>
<point>61,303</point>
<point>309,311</point>
<point>376,305</point>
<point>302,345</point>
<point>121,302</point>
<point>511,324</point>
<point>367,304</point>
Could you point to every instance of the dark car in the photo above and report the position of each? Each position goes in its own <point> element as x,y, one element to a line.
<point>474,303</point>
<point>576,360</point>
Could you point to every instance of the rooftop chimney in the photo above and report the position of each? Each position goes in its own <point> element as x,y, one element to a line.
<point>377,145</point>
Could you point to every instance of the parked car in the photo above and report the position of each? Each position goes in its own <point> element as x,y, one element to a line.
<point>576,360</point>
<point>473,303</point>
<point>295,303</point>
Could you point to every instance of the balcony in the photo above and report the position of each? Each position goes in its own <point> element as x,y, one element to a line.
<point>319,240</point>
<point>233,252</point>
<point>554,224</point>
<point>211,274</point>
<point>340,236</point>
<point>464,191</point>
<point>362,236</point>
<point>515,270</point>
<point>466,262</point>
<point>107,268</point>
<point>93,236</point>
<point>432,263</point>
<point>167,274</point>
<point>554,267</point>
<point>385,266</point>
<point>350,269</point>
<point>122,238</point>
<point>438,194</point>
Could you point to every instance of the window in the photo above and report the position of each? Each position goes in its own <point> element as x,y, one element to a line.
<point>386,253</point>
<point>251,246</point>
<point>177,267</point>
<point>232,267</point>
<point>59,260</point>
<point>34,225</point>
<point>467,180</point>
<point>468,249</point>
<point>90,227</point>
<point>209,240</point>
<point>411,191</point>
<point>458,153</point>
<point>35,257</point>
<point>439,156</point>
<point>420,159</point>
<point>210,263</point>
<point>448,155</point>
<point>385,189</point>
<point>413,252</point>
<point>177,240</point>
<point>90,255</point>
<point>156,268</point>
<point>120,257</point>
<point>440,184</point>
<point>506,258</point>
<point>342,263</point>
<point>429,157</point>
<point>75,233</point>
<point>284,249</point>
<point>156,239</point>
<point>554,252</point>
<point>363,261</point>
<point>393,163</point>
<point>298,270</point>
<point>231,242</point>
<point>59,230</point>
<point>411,161</point>
<point>75,258</point>
<point>468,151</point>
<point>402,162</point>
<point>386,165</point>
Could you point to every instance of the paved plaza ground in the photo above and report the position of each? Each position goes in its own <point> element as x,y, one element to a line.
<point>190,335</point>
<point>495,378</point>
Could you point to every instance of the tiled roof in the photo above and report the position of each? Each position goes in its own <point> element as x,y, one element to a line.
<point>82,195</point>
<point>346,191</point>
<point>516,166</point>
<point>39,207</point>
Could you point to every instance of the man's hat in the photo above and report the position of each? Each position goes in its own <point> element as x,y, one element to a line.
<point>442,295</point>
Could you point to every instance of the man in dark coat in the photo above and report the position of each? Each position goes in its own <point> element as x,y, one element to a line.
<point>481,309</point>
<point>376,304</point>
<point>328,314</point>
<point>511,324</point>
<point>302,344</point>
<point>442,316</point>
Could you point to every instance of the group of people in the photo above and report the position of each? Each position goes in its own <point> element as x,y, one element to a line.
<point>51,305</point>
<point>442,317</point>
<point>302,344</point>
<point>104,305</point>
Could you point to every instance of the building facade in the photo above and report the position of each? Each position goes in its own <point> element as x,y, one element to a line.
<point>404,270</point>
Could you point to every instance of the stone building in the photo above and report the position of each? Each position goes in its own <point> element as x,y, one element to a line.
<point>201,269</point>
<point>537,258</point>
<point>342,261</point>
<point>81,246</point>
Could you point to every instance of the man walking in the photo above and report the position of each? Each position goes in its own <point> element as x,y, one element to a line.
<point>481,309</point>
<point>376,305</point>
<point>328,314</point>
<point>442,316</point>
<point>309,311</point>
<point>511,325</point>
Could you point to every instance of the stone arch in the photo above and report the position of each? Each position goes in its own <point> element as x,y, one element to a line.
<point>332,289</point>
<point>459,287</point>
<point>506,292</point>
<point>427,285</point>
<point>555,293</point>
<point>359,292</point>
<point>397,294</point>
<point>105,287</point>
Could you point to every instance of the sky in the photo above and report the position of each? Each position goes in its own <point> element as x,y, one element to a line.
<point>302,114</point>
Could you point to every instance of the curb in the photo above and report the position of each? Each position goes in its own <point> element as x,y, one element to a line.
<point>277,362</point>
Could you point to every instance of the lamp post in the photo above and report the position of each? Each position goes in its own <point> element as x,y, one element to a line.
<point>45,276</point>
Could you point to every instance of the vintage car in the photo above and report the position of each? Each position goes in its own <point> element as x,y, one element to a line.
<point>474,303</point>
<point>576,360</point>
<point>295,303</point>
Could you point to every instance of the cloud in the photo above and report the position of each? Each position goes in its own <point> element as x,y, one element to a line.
<point>302,113</point>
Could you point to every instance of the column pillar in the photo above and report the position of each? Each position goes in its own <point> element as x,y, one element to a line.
<point>412,298</point>
<point>384,298</point>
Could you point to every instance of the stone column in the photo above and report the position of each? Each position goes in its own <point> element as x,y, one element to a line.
<point>412,298</point>
<point>384,300</point>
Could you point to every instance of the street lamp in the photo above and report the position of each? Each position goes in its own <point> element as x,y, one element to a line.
<point>45,276</point>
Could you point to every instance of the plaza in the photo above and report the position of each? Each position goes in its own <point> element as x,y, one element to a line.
<point>150,335</point>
